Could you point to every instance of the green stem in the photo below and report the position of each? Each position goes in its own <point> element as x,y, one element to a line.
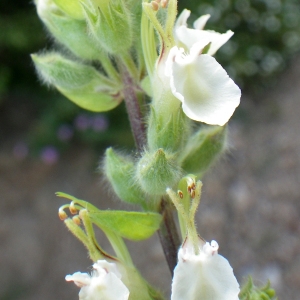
<point>109,68</point>
<point>79,233</point>
<point>128,62</point>
<point>133,109</point>
<point>119,246</point>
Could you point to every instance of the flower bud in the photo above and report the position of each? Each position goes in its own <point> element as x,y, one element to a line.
<point>70,32</point>
<point>120,170</point>
<point>203,148</point>
<point>110,24</point>
<point>81,83</point>
<point>156,171</point>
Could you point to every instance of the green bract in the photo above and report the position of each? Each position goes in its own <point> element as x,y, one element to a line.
<point>128,224</point>
<point>70,32</point>
<point>131,225</point>
<point>81,83</point>
<point>120,170</point>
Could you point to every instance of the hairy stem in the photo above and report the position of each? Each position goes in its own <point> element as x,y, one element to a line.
<point>134,111</point>
<point>168,235</point>
<point>168,232</point>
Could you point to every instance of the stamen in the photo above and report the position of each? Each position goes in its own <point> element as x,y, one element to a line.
<point>180,194</point>
<point>155,5</point>
<point>76,220</point>
<point>62,214</point>
<point>72,208</point>
<point>164,3</point>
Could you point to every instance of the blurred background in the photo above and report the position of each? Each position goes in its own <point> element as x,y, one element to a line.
<point>250,203</point>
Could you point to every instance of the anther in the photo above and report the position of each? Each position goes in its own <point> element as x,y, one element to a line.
<point>164,3</point>
<point>180,194</point>
<point>155,5</point>
<point>76,220</point>
<point>189,189</point>
<point>193,193</point>
<point>72,208</point>
<point>62,214</point>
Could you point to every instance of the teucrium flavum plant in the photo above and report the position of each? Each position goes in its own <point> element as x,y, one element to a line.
<point>146,55</point>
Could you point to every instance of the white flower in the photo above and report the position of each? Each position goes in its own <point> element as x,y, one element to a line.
<point>206,276</point>
<point>104,283</point>
<point>206,91</point>
<point>187,37</point>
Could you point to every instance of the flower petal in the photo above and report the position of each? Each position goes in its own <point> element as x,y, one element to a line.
<point>182,19</point>
<point>201,22</point>
<point>218,40</point>
<point>207,276</point>
<point>207,93</point>
<point>105,283</point>
<point>189,37</point>
<point>80,279</point>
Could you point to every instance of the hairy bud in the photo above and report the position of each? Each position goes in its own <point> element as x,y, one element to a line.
<point>157,171</point>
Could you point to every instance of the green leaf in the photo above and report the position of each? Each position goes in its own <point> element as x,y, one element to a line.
<point>134,226</point>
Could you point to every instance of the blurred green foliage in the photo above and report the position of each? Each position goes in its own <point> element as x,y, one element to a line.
<point>267,35</point>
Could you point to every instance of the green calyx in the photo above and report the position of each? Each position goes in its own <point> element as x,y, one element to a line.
<point>71,8</point>
<point>110,24</point>
<point>167,131</point>
<point>156,171</point>
<point>203,148</point>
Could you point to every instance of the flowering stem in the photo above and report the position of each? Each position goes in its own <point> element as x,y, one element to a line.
<point>168,234</point>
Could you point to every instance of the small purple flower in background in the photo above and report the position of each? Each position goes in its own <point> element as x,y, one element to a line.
<point>100,123</point>
<point>49,155</point>
<point>82,122</point>
<point>20,150</point>
<point>65,132</point>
